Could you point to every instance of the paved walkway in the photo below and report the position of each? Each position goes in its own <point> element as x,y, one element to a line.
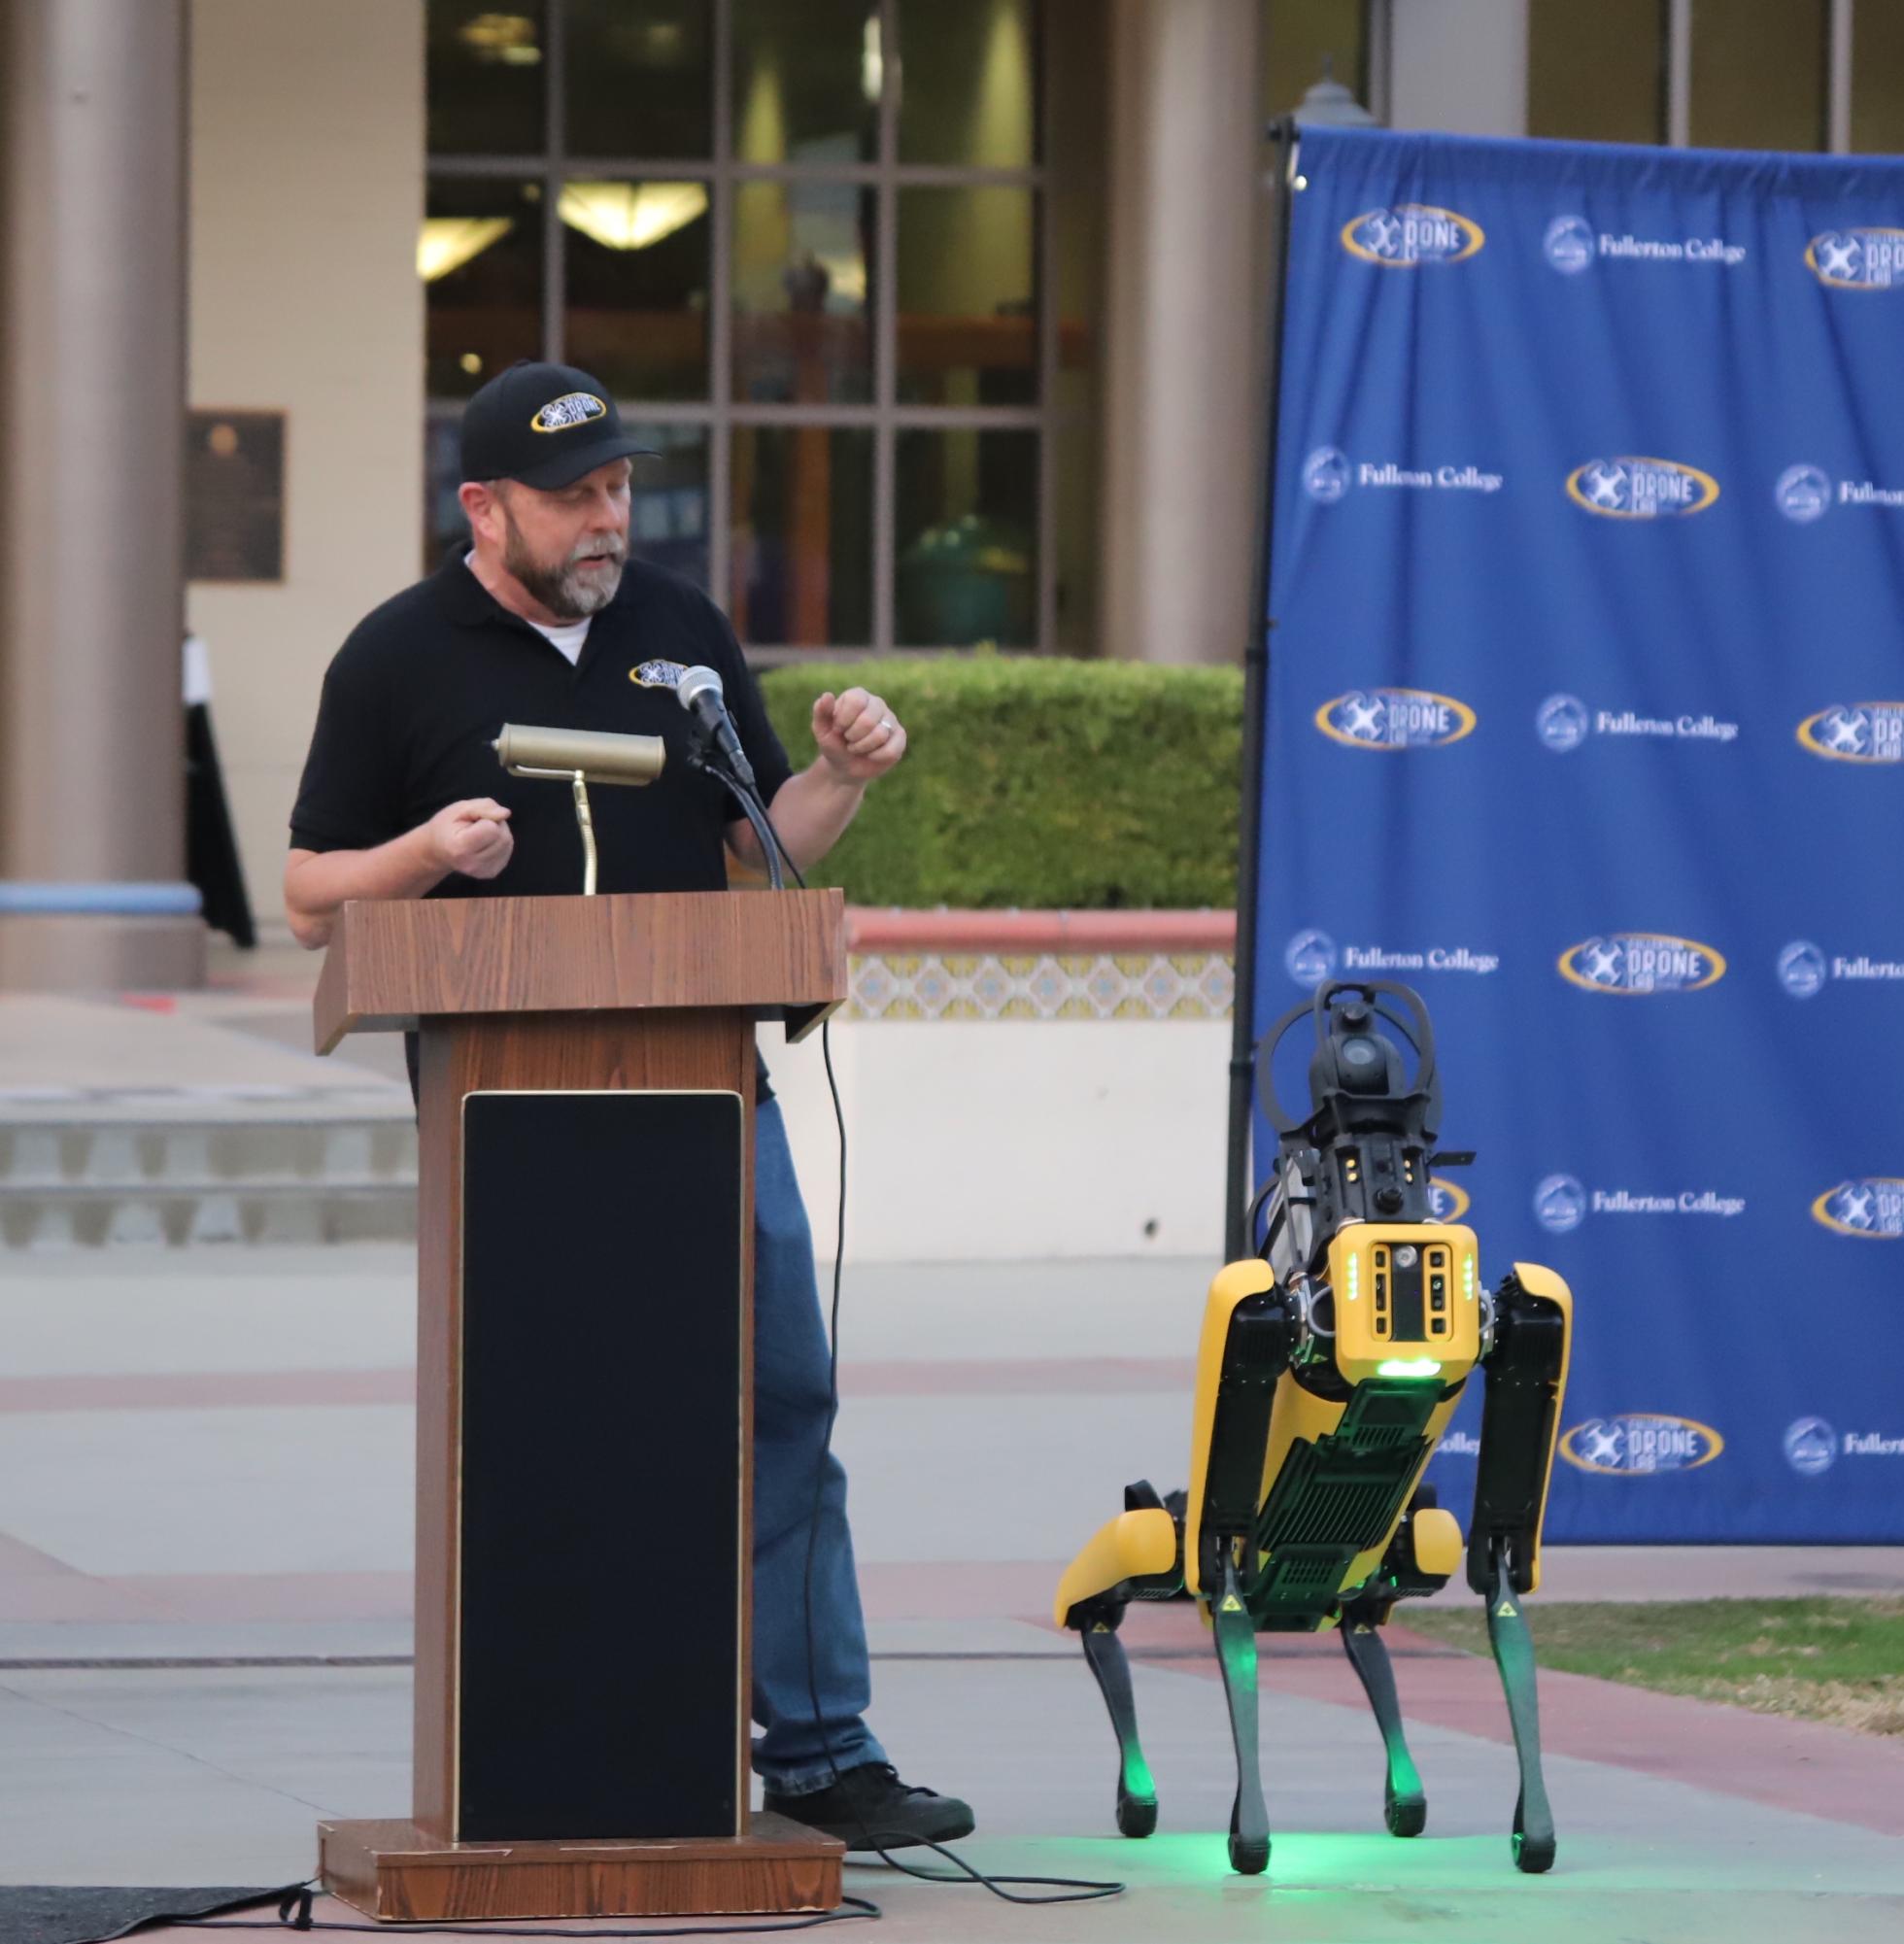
<point>205,1531</point>
<point>205,1459</point>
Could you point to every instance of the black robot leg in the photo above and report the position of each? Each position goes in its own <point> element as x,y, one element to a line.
<point>1136,1792</point>
<point>1514,1654</point>
<point>1236,1655</point>
<point>1404,1803</point>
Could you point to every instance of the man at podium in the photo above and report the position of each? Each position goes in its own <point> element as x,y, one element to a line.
<point>545,618</point>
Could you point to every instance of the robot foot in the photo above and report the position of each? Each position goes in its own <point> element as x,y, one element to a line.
<point>1403,1805</point>
<point>1514,1654</point>
<point>1136,1793</point>
<point>1236,1655</point>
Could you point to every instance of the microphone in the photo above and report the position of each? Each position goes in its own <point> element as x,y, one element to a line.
<point>700,693</point>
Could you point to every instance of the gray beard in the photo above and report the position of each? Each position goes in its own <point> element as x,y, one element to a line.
<point>562,590</point>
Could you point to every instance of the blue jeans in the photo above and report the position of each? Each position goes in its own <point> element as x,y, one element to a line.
<point>790,1423</point>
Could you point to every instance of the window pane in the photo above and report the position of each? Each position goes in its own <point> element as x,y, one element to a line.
<point>668,521</point>
<point>806,80</point>
<point>802,259</point>
<point>485,79</point>
<point>640,76</point>
<point>480,257</point>
<point>967,317</point>
<point>968,539</point>
<point>1597,74</point>
<point>802,536</point>
<point>635,284</point>
<point>1303,39</point>
<point>1878,80</point>
<point>1758,70</point>
<point>970,93</point>
<point>444,524</point>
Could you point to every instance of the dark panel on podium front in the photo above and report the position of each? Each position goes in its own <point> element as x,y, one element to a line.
<point>599,1628</point>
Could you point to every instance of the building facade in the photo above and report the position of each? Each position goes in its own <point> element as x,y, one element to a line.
<point>944,318</point>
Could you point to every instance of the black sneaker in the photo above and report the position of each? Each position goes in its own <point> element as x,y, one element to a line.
<point>869,1808</point>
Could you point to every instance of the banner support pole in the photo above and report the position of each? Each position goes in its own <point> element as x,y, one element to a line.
<point>1283,138</point>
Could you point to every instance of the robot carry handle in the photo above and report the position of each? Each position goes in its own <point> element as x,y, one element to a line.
<point>1416,1029</point>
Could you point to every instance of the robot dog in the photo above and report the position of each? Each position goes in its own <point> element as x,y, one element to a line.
<point>1328,1370</point>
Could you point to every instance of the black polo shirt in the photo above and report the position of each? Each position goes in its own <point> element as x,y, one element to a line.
<point>415,696</point>
<point>422,688</point>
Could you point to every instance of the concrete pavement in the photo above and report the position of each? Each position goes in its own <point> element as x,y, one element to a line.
<point>205,1532</point>
<point>205,1459</point>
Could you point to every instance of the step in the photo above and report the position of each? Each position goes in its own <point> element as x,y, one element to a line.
<point>155,1170</point>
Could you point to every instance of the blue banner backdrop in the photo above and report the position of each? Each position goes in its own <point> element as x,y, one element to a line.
<point>1586,719</point>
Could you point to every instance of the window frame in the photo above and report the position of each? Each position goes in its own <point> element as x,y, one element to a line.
<point>720,413</point>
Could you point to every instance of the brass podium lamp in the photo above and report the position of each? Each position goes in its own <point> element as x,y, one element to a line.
<point>580,756</point>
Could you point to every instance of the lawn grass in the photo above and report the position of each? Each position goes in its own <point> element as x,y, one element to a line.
<point>1837,1659</point>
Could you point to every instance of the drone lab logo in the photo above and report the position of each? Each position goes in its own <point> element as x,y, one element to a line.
<point>1803,493</point>
<point>1411,234</point>
<point>1632,488</point>
<point>1394,718</point>
<point>572,408</point>
<point>1560,1203</point>
<point>1857,259</point>
<point>1446,1203</point>
<point>1870,1206</point>
<point>1640,964</point>
<point>1640,1444</point>
<point>1855,733</point>
<point>1568,245</point>
<point>1811,1447</point>
<point>1326,474</point>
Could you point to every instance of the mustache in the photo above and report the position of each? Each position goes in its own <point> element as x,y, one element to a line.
<point>609,546</point>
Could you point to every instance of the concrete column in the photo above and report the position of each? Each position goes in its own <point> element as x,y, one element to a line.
<point>1459,66</point>
<point>1184,309</point>
<point>93,284</point>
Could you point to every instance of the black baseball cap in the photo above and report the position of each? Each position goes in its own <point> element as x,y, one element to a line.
<point>545,424</point>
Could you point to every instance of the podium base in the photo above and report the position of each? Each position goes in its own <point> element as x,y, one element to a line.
<point>397,1874</point>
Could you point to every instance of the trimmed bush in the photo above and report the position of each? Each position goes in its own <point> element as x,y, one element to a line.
<point>1044,784</point>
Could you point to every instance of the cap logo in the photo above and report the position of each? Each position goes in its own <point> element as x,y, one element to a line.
<point>572,408</point>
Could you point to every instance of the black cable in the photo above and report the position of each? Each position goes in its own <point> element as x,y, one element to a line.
<point>1075,1890</point>
<point>299,1899</point>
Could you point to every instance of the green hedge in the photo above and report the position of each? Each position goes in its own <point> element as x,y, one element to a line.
<point>1038,783</point>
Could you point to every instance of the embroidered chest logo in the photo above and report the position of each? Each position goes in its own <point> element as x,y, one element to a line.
<point>657,674</point>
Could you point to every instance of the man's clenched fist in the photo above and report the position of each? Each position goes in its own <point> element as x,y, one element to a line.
<point>472,838</point>
<point>858,734</point>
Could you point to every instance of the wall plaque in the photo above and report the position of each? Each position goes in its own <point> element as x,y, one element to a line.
<point>234,496</point>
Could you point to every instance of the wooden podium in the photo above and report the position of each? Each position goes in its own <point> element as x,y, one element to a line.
<point>584,1398</point>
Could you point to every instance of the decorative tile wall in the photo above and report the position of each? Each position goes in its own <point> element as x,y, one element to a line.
<point>1138,985</point>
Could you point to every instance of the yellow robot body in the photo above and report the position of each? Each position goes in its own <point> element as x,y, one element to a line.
<point>1328,1370</point>
<point>1408,1300</point>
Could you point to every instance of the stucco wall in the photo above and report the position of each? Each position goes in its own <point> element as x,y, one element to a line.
<point>306,189</point>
